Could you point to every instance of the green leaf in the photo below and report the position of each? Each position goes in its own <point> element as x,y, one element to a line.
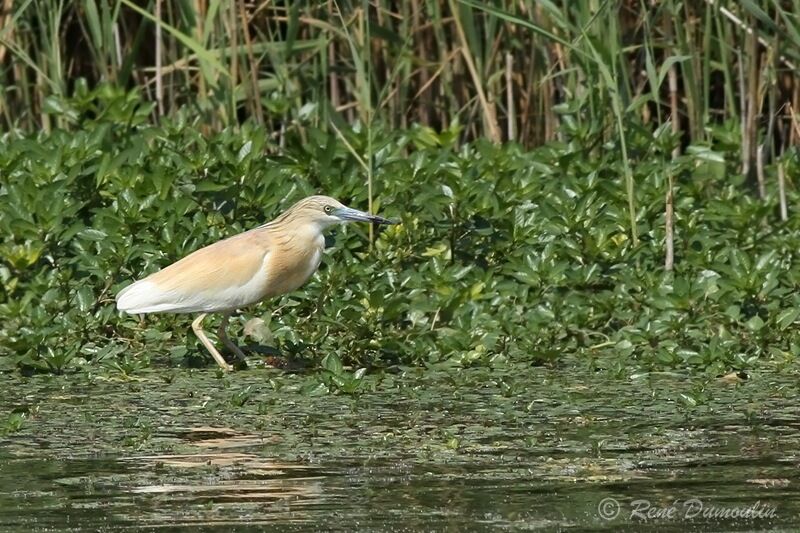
<point>665,66</point>
<point>244,151</point>
<point>93,234</point>
<point>733,311</point>
<point>332,364</point>
<point>787,317</point>
<point>755,323</point>
<point>85,298</point>
<point>210,186</point>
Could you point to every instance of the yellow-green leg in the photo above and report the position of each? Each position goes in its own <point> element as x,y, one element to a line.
<point>197,326</point>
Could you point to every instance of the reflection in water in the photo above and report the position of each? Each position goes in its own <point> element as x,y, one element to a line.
<point>257,479</point>
<point>531,448</point>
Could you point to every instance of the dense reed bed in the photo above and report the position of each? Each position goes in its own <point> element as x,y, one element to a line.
<point>527,71</point>
<point>506,70</point>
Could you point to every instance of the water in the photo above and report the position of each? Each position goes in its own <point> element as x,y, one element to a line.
<point>518,448</point>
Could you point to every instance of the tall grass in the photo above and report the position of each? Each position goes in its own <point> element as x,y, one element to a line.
<point>505,70</point>
<point>501,69</point>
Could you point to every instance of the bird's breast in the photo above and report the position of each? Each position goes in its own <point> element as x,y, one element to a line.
<point>293,260</point>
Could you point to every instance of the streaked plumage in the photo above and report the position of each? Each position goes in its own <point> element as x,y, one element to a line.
<point>261,263</point>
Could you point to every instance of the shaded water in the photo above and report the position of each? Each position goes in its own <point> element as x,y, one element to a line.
<point>519,448</point>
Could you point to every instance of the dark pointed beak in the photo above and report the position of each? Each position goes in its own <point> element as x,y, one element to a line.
<point>346,213</point>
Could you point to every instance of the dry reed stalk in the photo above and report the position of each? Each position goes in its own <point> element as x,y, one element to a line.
<point>489,114</point>
<point>425,78</point>
<point>762,191</point>
<point>253,65</point>
<point>511,119</point>
<point>750,29</point>
<point>751,101</point>
<point>795,121</point>
<point>549,93</point>
<point>672,79</point>
<point>770,68</point>
<point>6,27</point>
<point>782,191</point>
<point>202,90</point>
<point>794,137</point>
<point>159,80</point>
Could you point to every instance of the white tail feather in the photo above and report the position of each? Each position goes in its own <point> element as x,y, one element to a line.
<point>145,297</point>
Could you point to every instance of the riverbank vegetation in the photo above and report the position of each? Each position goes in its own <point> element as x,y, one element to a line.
<point>608,182</point>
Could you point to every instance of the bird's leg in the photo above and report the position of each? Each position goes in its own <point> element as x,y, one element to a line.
<point>223,336</point>
<point>197,326</point>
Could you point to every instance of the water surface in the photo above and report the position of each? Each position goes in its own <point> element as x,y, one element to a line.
<point>515,448</point>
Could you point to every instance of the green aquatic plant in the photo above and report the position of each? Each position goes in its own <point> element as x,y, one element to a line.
<point>503,255</point>
<point>337,379</point>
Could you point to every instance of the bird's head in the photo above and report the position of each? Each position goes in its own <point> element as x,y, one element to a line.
<point>325,211</point>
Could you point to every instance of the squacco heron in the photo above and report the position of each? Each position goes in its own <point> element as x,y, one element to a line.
<point>261,263</point>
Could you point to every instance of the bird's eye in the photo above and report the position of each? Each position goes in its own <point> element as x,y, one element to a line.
<point>328,209</point>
